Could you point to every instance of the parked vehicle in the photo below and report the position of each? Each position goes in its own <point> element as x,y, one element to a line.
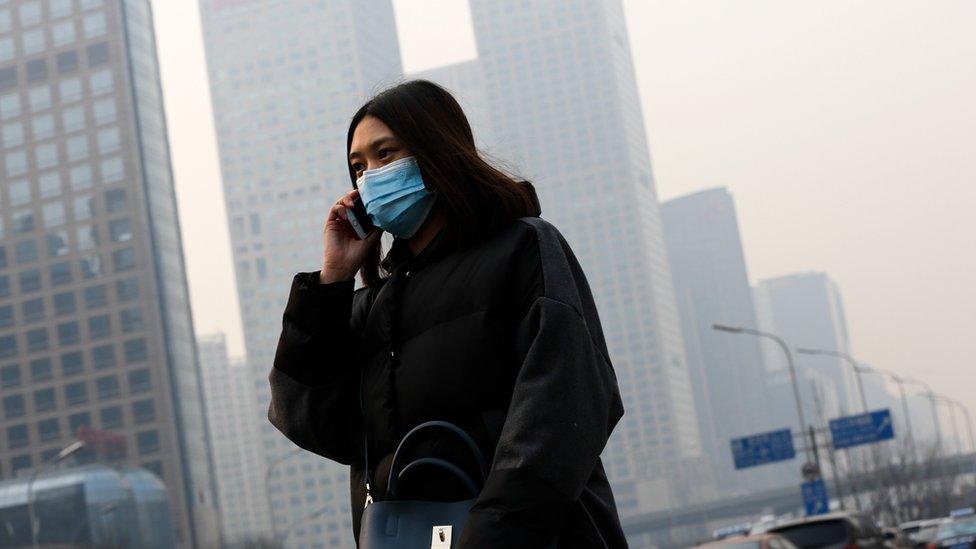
<point>912,528</point>
<point>833,530</point>
<point>761,541</point>
<point>957,533</point>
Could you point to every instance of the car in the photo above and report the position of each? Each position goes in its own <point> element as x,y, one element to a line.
<point>959,533</point>
<point>832,530</point>
<point>760,541</point>
<point>911,529</point>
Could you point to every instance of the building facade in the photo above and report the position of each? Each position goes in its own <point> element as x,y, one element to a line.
<point>96,338</point>
<point>712,287</point>
<point>557,101</point>
<point>806,310</point>
<point>285,78</point>
<point>235,443</point>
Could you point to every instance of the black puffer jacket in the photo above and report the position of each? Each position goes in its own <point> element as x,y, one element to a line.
<point>502,339</point>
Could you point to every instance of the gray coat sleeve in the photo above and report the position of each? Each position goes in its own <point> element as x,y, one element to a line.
<point>314,381</point>
<point>564,406</point>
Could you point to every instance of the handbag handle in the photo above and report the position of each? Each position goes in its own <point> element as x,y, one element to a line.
<point>393,480</point>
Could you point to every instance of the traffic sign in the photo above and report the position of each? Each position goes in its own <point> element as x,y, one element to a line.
<point>763,448</point>
<point>860,429</point>
<point>815,499</point>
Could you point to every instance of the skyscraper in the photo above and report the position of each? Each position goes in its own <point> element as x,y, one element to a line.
<point>557,80</point>
<point>712,286</point>
<point>235,443</point>
<point>285,79</point>
<point>96,338</point>
<point>806,310</point>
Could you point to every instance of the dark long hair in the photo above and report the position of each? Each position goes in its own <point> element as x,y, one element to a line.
<point>477,198</point>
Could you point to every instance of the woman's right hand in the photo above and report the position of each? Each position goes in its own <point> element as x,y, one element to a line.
<point>344,251</point>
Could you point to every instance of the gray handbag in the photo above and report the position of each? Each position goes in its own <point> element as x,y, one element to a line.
<point>400,523</point>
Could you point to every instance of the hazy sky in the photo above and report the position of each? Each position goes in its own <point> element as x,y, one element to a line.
<point>845,129</point>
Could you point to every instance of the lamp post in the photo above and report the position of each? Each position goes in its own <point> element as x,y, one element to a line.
<point>904,402</point>
<point>850,361</point>
<point>969,424</point>
<point>61,456</point>
<point>789,361</point>
<point>952,420</point>
<point>267,485</point>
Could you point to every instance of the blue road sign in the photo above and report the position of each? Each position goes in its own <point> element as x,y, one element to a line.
<point>763,448</point>
<point>864,428</point>
<point>815,499</point>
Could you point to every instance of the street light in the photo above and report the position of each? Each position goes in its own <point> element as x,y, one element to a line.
<point>904,401</point>
<point>952,419</point>
<point>850,361</point>
<point>267,485</point>
<point>61,456</point>
<point>789,361</point>
<point>930,394</point>
<point>969,422</point>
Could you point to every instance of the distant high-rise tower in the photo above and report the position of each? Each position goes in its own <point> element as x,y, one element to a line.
<point>235,443</point>
<point>96,338</point>
<point>285,79</point>
<point>712,286</point>
<point>558,98</point>
<point>806,311</point>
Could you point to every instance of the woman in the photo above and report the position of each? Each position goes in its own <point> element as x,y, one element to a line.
<point>479,315</point>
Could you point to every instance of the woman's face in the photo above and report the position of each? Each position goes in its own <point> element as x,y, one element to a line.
<point>374,146</point>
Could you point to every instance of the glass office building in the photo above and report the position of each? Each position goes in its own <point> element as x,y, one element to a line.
<point>96,339</point>
<point>92,506</point>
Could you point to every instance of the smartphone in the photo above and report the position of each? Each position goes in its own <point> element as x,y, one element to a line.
<point>359,219</point>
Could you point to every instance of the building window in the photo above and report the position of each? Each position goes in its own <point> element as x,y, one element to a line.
<point>68,333</point>
<point>33,310</point>
<point>61,274</point>
<point>84,205</point>
<point>37,70</point>
<point>6,48</point>
<point>30,13</point>
<point>46,156</point>
<point>112,170</point>
<point>104,111</point>
<point>98,54</point>
<point>99,327</point>
<point>72,364</point>
<point>63,33</point>
<point>50,184</point>
<point>127,289</point>
<point>52,214</point>
<point>13,406</point>
<point>10,376</point>
<point>96,296</point>
<point>39,98</point>
<point>64,303</point>
<point>57,244</point>
<point>120,230</point>
<point>43,126</point>
<point>59,8</point>
<point>91,267</point>
<point>94,24</point>
<point>143,411</point>
<point>103,357</point>
<point>147,442</point>
<point>76,393</point>
<point>115,200</point>
<point>87,237</point>
<point>67,62</point>
<point>37,340</point>
<point>17,436</point>
<point>108,387</point>
<point>16,163</point>
<point>101,81</point>
<point>13,135</point>
<point>26,250</point>
<point>49,429</point>
<point>77,421</point>
<point>30,281</point>
<point>135,350</point>
<point>111,417</point>
<point>41,369</point>
<point>23,222</point>
<point>124,259</point>
<point>8,346</point>
<point>4,280</point>
<point>6,316</point>
<point>131,320</point>
<point>139,381</point>
<point>77,148</point>
<point>73,119</point>
<point>44,400</point>
<point>108,140</point>
<point>33,41</point>
<point>81,179</point>
<point>10,105</point>
<point>18,463</point>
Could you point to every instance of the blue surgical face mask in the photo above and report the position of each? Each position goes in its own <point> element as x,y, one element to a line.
<point>395,197</point>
